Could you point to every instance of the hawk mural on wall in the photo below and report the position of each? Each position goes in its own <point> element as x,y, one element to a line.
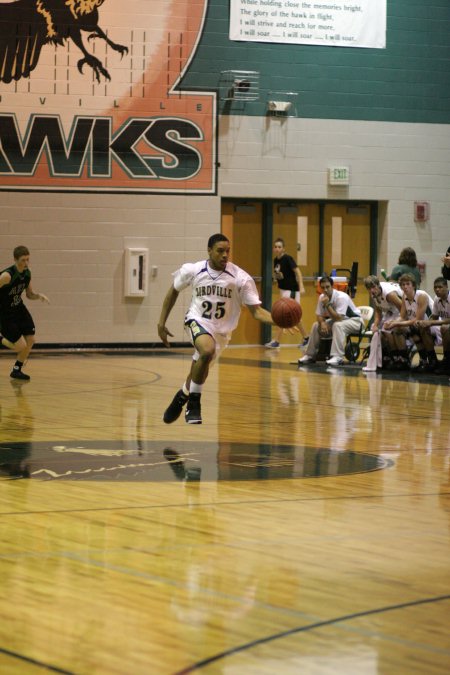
<point>95,115</point>
<point>27,25</point>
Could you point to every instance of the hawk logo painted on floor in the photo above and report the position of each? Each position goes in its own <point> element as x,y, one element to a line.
<point>156,461</point>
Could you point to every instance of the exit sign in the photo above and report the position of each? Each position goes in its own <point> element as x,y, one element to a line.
<point>338,175</point>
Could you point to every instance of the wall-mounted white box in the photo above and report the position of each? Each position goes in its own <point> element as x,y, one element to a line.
<point>136,272</point>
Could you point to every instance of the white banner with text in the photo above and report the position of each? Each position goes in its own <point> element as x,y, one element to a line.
<point>340,23</point>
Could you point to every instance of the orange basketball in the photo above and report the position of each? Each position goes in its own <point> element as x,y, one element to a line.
<point>286,312</point>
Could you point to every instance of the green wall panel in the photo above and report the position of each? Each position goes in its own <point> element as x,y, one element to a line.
<point>409,81</point>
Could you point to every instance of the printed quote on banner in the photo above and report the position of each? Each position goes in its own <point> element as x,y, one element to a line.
<point>339,23</point>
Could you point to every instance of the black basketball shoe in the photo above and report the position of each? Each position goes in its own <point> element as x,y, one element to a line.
<point>175,408</point>
<point>17,374</point>
<point>193,410</point>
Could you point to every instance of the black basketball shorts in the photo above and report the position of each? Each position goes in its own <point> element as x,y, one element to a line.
<point>18,323</point>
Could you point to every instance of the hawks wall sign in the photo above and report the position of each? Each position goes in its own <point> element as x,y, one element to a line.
<point>90,100</point>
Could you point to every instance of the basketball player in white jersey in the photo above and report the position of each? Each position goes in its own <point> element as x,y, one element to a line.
<point>416,306</point>
<point>219,290</point>
<point>436,329</point>
<point>387,300</point>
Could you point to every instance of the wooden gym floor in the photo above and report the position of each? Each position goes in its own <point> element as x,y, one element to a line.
<point>303,528</point>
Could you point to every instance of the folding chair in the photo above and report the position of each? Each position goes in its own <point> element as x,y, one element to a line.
<point>354,340</point>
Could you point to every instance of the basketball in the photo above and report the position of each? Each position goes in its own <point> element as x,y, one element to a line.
<point>286,312</point>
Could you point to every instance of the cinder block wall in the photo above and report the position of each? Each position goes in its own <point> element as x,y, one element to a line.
<point>77,248</point>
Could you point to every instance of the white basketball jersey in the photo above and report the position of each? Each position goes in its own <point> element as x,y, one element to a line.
<point>383,303</point>
<point>411,305</point>
<point>217,297</point>
<point>441,308</point>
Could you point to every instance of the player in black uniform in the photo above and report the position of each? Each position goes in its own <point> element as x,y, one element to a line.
<point>16,323</point>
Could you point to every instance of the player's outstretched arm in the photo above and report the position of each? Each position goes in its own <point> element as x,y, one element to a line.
<point>260,314</point>
<point>168,303</point>
<point>31,295</point>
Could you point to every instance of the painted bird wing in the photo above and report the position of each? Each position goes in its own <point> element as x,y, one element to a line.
<point>23,32</point>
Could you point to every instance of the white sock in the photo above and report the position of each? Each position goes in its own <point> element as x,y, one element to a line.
<point>195,388</point>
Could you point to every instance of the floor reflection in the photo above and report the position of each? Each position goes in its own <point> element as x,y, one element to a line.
<point>16,418</point>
